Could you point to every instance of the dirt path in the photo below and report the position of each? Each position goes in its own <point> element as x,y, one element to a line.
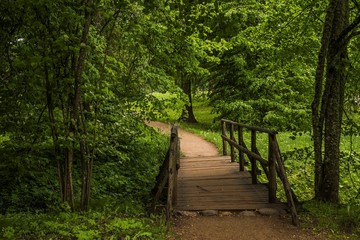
<point>190,144</point>
<point>228,226</point>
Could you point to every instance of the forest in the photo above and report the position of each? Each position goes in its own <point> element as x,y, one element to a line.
<point>79,79</point>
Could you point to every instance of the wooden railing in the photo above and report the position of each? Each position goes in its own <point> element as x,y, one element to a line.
<point>166,181</point>
<point>272,167</point>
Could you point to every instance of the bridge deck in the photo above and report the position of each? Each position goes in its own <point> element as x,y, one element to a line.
<point>216,183</point>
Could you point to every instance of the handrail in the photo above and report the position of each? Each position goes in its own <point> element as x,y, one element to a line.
<point>272,167</point>
<point>168,175</point>
<point>259,129</point>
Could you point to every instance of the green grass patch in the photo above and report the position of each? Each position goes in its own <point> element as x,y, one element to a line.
<point>341,221</point>
<point>107,223</point>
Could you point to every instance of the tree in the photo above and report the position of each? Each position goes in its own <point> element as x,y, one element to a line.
<point>72,73</point>
<point>328,102</point>
<point>264,78</point>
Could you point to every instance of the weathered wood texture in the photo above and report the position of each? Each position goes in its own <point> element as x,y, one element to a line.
<point>216,183</point>
<point>168,176</point>
<point>272,166</point>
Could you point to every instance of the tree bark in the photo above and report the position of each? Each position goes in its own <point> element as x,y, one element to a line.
<point>328,102</point>
<point>188,114</point>
<point>78,114</point>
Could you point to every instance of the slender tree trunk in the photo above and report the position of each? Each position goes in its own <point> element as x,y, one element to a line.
<point>79,113</point>
<point>55,137</point>
<point>188,113</point>
<point>328,102</point>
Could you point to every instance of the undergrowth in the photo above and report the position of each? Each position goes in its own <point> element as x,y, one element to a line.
<point>341,221</point>
<point>110,222</point>
<point>124,174</point>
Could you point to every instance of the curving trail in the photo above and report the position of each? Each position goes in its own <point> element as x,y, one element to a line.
<point>191,145</point>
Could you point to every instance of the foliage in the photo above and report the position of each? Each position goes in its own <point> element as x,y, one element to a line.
<point>121,170</point>
<point>345,221</point>
<point>109,222</point>
<point>77,81</point>
<point>265,76</point>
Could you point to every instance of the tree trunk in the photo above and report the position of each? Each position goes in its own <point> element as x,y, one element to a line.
<point>78,114</point>
<point>188,114</point>
<point>328,102</point>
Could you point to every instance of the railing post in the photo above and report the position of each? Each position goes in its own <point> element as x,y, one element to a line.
<point>232,137</point>
<point>177,166</point>
<point>172,172</point>
<point>272,169</point>
<point>287,188</point>
<point>253,161</point>
<point>241,154</point>
<point>223,130</point>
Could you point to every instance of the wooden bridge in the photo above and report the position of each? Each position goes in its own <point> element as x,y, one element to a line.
<point>216,183</point>
<point>223,182</point>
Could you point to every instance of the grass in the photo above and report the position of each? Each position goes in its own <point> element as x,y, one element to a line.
<point>341,221</point>
<point>107,223</point>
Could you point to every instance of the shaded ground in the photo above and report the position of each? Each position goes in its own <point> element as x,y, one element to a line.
<point>237,228</point>
<point>233,226</point>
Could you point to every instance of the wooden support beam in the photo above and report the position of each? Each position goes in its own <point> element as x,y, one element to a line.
<point>232,137</point>
<point>241,153</point>
<point>272,169</point>
<point>286,184</point>
<point>258,129</point>
<point>246,151</point>
<point>252,160</point>
<point>223,130</point>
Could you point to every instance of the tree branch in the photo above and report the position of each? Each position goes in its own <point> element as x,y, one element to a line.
<point>357,5</point>
<point>347,30</point>
<point>114,16</point>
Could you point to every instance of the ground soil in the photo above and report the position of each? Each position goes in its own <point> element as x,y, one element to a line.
<point>232,225</point>
<point>190,144</point>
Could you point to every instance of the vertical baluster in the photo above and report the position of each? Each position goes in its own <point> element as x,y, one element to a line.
<point>232,137</point>
<point>253,161</point>
<point>241,154</point>
<point>272,169</point>
<point>223,129</point>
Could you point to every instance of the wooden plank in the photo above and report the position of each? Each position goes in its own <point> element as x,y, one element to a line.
<point>206,191</point>
<point>216,183</point>
<point>236,183</point>
<point>234,168</point>
<point>214,170</point>
<point>230,207</point>
<point>218,197</point>
<point>213,190</point>
<point>189,166</point>
<point>204,161</point>
<point>208,158</point>
<point>219,177</point>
